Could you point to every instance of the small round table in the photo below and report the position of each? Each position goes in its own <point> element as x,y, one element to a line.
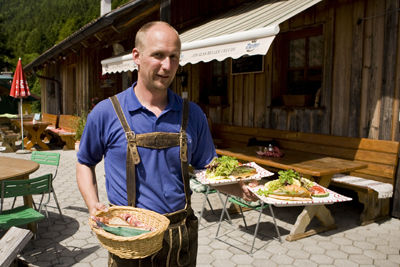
<point>17,169</point>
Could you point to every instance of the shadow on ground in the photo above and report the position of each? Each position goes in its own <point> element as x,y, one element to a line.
<point>49,248</point>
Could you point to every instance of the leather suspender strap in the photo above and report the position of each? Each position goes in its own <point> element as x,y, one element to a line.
<point>160,140</point>
<point>132,155</point>
<point>183,152</point>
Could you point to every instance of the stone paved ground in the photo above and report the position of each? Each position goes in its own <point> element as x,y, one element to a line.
<point>71,243</point>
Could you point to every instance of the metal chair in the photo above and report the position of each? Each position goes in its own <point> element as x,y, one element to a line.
<point>22,215</point>
<point>198,187</point>
<point>52,159</point>
<point>258,206</point>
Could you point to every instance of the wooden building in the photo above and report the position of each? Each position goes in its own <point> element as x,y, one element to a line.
<point>332,68</point>
<point>314,66</point>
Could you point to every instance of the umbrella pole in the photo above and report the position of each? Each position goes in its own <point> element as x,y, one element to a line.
<point>22,127</point>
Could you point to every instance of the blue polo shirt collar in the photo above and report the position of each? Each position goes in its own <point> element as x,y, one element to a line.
<point>134,104</point>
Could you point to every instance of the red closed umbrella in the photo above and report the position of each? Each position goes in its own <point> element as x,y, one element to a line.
<point>20,89</point>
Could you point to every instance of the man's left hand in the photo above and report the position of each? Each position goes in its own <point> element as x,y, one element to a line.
<point>239,190</point>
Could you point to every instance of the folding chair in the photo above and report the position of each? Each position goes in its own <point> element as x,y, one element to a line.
<point>258,206</point>
<point>22,215</point>
<point>53,159</point>
<point>198,187</point>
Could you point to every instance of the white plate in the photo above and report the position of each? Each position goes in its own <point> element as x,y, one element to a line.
<point>332,198</point>
<point>261,172</point>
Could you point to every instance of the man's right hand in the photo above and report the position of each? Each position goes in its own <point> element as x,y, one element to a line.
<point>98,207</point>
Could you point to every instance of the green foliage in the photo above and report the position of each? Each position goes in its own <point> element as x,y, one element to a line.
<point>5,52</point>
<point>81,125</point>
<point>31,27</point>
<point>117,3</point>
<point>69,27</point>
<point>35,89</point>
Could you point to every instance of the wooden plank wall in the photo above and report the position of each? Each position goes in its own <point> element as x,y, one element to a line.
<point>50,90</point>
<point>361,77</point>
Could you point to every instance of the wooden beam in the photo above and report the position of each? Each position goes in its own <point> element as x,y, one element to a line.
<point>98,36</point>
<point>115,29</point>
<point>145,13</point>
<point>84,44</point>
<point>12,243</point>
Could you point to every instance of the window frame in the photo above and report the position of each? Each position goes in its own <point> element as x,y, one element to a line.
<point>281,60</point>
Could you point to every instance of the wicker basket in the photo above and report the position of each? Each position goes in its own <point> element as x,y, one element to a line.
<point>135,247</point>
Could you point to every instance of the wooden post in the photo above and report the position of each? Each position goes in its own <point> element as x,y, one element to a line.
<point>165,11</point>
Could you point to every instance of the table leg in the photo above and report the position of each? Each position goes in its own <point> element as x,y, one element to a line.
<point>42,145</point>
<point>28,144</point>
<point>35,140</point>
<point>303,220</point>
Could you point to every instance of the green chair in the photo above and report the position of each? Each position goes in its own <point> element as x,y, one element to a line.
<point>22,215</point>
<point>258,206</point>
<point>53,159</point>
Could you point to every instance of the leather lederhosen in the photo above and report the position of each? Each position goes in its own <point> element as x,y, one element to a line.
<point>180,240</point>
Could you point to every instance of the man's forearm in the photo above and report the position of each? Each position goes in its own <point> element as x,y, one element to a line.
<point>87,184</point>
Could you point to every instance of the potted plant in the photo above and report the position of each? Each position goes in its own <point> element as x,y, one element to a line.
<point>79,129</point>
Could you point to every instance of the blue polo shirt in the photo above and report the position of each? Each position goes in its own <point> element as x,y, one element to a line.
<point>159,184</point>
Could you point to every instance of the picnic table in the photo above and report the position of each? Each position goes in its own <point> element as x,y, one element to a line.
<point>318,167</point>
<point>15,169</point>
<point>35,131</point>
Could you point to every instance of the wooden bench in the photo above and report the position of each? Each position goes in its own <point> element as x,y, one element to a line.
<point>50,118</point>
<point>66,130</point>
<point>380,155</point>
<point>53,120</point>
<point>8,141</point>
<point>65,127</point>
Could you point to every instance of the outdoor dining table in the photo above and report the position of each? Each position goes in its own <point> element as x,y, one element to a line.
<point>18,169</point>
<point>318,167</point>
<point>35,130</point>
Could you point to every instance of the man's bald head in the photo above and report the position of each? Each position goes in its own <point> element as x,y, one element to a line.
<point>141,34</point>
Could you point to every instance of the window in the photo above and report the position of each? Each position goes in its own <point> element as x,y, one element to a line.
<point>214,82</point>
<point>300,68</point>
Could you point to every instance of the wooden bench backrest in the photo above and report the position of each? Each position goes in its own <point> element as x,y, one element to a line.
<point>68,122</point>
<point>51,118</point>
<point>381,155</point>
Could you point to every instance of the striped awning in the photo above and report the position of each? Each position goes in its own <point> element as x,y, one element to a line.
<point>247,30</point>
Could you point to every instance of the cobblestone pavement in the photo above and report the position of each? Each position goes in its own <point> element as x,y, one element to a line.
<point>70,242</point>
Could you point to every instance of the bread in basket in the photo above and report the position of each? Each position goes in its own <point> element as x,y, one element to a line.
<point>134,247</point>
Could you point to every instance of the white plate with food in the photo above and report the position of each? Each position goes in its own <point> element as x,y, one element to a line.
<point>228,170</point>
<point>290,189</point>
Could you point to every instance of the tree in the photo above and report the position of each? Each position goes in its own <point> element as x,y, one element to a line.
<point>5,52</point>
<point>69,27</point>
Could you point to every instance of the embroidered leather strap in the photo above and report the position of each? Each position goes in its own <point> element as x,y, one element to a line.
<point>183,152</point>
<point>158,140</point>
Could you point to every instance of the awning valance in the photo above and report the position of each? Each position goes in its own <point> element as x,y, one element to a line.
<point>118,64</point>
<point>247,30</point>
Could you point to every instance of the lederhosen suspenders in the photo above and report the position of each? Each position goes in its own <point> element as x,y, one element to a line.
<point>154,140</point>
<point>178,219</point>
